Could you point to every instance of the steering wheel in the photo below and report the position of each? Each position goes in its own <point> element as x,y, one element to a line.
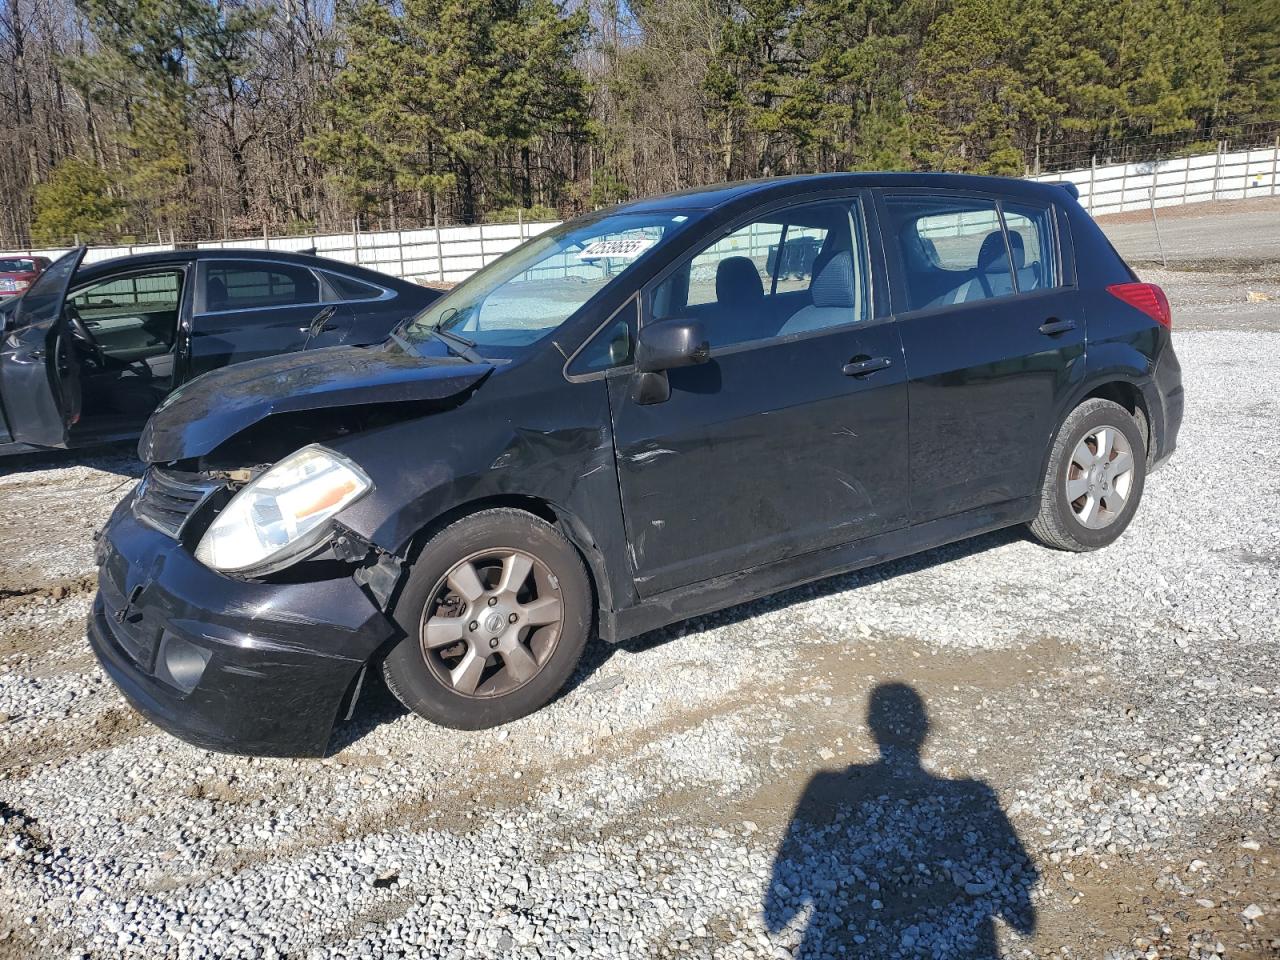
<point>84,336</point>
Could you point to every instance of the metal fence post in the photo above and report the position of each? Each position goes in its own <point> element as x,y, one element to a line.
<point>1186,176</point>
<point>1093,168</point>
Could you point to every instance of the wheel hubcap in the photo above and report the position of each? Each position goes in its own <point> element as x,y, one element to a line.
<point>492,623</point>
<point>1100,477</point>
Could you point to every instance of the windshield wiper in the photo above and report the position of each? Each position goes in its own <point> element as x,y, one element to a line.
<point>462,346</point>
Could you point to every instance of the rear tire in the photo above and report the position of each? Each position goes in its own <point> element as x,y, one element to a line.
<point>1094,480</point>
<point>495,613</point>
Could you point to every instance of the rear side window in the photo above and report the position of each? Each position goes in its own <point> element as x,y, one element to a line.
<point>957,250</point>
<point>1031,242</point>
<point>243,286</point>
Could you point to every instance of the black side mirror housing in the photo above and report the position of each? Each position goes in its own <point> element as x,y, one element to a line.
<point>670,344</point>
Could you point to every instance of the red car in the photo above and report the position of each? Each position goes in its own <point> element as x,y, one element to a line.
<point>18,273</point>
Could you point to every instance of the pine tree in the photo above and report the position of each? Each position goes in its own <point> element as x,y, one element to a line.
<point>75,202</point>
<point>140,66</point>
<point>435,90</point>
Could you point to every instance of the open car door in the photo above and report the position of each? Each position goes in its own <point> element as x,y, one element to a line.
<point>39,369</point>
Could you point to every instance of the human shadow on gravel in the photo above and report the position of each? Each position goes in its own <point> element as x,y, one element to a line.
<point>893,861</point>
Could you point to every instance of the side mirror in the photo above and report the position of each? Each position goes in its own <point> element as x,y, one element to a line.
<point>671,343</point>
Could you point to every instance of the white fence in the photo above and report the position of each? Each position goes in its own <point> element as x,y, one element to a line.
<point>1222,175</point>
<point>450,254</point>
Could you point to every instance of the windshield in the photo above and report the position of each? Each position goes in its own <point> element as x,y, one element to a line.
<point>17,266</point>
<point>523,296</point>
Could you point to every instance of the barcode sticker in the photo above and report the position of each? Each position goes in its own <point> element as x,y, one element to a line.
<point>616,249</point>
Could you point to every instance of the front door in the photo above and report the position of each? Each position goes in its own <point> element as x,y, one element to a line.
<point>994,337</point>
<point>247,309</point>
<point>39,369</point>
<point>792,437</point>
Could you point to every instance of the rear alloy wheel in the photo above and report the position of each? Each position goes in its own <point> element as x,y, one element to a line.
<point>495,613</point>
<point>1094,479</point>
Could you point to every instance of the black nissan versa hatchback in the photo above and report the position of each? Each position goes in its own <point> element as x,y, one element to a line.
<point>644,414</point>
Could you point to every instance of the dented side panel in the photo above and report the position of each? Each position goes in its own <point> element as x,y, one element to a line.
<point>528,434</point>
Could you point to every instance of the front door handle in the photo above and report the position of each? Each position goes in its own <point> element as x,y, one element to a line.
<point>861,366</point>
<point>1053,327</point>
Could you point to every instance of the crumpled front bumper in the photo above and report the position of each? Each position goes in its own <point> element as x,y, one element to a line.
<point>255,668</point>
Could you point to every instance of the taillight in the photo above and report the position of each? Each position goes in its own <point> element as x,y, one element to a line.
<point>1148,298</point>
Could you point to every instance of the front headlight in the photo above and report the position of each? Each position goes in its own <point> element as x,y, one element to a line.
<point>283,512</point>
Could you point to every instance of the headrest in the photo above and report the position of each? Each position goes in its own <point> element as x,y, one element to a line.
<point>738,281</point>
<point>833,286</point>
<point>992,254</point>
<point>216,293</point>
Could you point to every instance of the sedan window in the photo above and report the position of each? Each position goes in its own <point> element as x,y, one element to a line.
<point>248,285</point>
<point>133,317</point>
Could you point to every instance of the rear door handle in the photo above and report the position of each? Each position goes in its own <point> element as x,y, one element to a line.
<point>1052,327</point>
<point>861,366</point>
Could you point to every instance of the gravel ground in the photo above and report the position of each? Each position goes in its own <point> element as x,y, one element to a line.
<point>1098,776</point>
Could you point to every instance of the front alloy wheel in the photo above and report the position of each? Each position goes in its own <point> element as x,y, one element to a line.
<point>495,614</point>
<point>492,623</point>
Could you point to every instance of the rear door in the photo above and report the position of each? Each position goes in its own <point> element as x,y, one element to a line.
<point>245,309</point>
<point>39,370</point>
<point>994,335</point>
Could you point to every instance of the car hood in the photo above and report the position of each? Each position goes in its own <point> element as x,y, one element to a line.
<point>202,414</point>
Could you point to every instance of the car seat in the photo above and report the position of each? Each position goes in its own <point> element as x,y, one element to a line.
<point>835,296</point>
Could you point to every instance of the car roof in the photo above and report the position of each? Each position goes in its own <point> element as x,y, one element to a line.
<point>163,257</point>
<point>770,188</point>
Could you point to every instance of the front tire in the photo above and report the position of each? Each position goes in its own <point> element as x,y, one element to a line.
<point>495,613</point>
<point>1094,479</point>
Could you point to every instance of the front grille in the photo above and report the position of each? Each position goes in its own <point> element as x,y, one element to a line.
<point>167,498</point>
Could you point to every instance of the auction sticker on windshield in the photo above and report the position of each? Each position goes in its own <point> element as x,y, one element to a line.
<point>618,249</point>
